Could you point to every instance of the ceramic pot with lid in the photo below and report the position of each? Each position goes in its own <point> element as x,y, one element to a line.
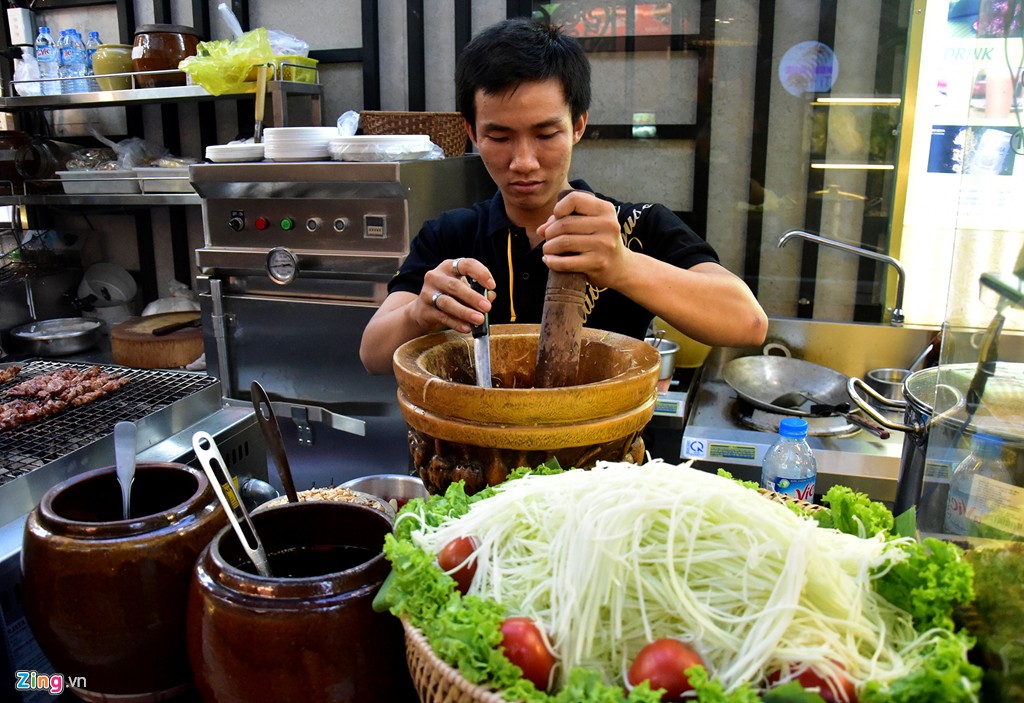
<point>936,417</point>
<point>309,632</point>
<point>105,597</point>
<point>161,47</point>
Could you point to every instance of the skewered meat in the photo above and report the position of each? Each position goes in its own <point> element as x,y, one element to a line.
<point>9,373</point>
<point>47,394</point>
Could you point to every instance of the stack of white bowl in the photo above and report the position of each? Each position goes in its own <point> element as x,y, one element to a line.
<point>380,147</point>
<point>297,143</point>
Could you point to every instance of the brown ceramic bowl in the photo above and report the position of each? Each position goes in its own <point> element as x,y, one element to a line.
<point>161,47</point>
<point>105,597</point>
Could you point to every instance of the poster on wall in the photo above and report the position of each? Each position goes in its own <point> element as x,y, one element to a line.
<point>967,155</point>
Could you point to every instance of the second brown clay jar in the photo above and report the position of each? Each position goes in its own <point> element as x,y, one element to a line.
<point>309,632</point>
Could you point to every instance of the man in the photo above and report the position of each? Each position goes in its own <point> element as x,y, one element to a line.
<point>524,90</point>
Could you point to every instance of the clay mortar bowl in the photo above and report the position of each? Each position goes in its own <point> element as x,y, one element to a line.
<point>459,431</point>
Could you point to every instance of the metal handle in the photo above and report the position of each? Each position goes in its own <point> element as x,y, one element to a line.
<point>209,456</point>
<point>484,327</point>
<point>854,383</point>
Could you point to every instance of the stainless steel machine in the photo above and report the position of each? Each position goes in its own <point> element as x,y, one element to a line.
<point>296,260</point>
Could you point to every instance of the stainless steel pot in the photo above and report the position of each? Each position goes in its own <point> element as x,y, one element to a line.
<point>934,400</point>
<point>58,337</point>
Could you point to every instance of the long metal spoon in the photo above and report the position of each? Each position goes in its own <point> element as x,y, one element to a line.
<point>124,460</point>
<point>272,434</point>
<point>209,456</point>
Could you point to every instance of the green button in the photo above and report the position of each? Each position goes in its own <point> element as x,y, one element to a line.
<point>287,223</point>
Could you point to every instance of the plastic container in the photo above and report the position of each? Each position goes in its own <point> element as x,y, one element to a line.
<point>300,69</point>
<point>789,466</point>
<point>48,61</point>
<point>981,491</point>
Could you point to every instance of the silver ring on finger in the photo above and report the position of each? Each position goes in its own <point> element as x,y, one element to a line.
<point>455,266</point>
<point>434,297</point>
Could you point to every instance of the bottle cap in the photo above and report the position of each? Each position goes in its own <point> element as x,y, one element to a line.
<point>795,427</point>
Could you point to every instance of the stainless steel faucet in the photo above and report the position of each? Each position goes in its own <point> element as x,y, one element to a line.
<point>901,276</point>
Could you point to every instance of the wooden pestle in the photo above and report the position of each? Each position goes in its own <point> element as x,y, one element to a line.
<point>561,328</point>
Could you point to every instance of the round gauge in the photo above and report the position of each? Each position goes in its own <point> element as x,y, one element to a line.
<point>281,265</point>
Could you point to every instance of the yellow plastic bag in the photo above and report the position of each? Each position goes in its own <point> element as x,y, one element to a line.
<point>223,66</point>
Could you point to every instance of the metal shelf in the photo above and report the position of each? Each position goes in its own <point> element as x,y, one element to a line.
<point>103,199</point>
<point>113,98</point>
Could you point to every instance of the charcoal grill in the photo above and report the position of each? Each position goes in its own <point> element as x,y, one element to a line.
<point>162,403</point>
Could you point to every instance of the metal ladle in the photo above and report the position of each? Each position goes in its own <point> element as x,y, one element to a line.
<point>124,460</point>
<point>272,434</point>
<point>209,456</point>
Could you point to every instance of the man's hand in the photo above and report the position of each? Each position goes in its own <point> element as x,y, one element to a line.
<point>446,298</point>
<point>583,236</point>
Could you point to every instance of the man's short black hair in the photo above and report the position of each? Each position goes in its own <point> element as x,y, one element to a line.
<point>519,51</point>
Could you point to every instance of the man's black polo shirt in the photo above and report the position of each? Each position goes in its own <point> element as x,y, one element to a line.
<point>484,232</point>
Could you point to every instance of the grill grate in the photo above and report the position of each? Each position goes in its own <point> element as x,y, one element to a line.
<point>28,447</point>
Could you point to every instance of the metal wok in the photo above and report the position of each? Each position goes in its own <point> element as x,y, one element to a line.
<point>761,380</point>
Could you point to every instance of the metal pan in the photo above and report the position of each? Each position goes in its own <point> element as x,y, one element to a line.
<point>759,380</point>
<point>60,337</point>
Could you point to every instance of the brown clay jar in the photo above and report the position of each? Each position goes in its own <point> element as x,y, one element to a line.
<point>106,597</point>
<point>309,632</point>
<point>161,47</point>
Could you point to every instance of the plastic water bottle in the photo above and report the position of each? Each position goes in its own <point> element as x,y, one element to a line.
<point>981,488</point>
<point>90,48</point>
<point>72,62</point>
<point>789,466</point>
<point>48,60</point>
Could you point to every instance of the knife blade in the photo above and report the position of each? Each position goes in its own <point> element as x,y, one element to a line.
<point>482,344</point>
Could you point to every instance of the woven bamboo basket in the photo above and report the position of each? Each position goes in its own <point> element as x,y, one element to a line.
<point>437,682</point>
<point>434,680</point>
<point>446,129</point>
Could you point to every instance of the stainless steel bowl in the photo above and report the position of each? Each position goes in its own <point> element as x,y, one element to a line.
<point>399,488</point>
<point>59,337</point>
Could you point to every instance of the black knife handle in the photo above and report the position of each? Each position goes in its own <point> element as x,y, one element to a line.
<point>484,328</point>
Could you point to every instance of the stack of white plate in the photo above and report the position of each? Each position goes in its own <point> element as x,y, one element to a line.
<point>224,153</point>
<point>380,147</point>
<point>298,143</point>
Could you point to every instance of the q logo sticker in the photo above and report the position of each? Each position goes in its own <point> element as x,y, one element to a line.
<point>808,67</point>
<point>695,448</point>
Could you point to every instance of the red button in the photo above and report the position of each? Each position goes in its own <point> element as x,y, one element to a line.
<point>262,223</point>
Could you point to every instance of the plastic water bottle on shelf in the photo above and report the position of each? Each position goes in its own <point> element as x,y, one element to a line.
<point>91,45</point>
<point>982,496</point>
<point>72,62</point>
<point>48,60</point>
<point>789,466</point>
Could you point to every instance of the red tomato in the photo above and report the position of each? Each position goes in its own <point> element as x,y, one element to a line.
<point>840,690</point>
<point>526,647</point>
<point>662,663</point>
<point>454,559</point>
